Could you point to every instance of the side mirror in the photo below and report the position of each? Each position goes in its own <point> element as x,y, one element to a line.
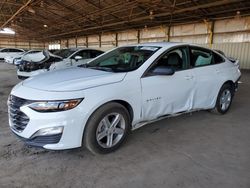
<point>78,57</point>
<point>162,70</point>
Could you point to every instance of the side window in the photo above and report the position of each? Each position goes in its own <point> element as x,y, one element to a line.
<point>84,54</point>
<point>200,57</point>
<point>218,58</point>
<point>5,50</point>
<point>176,59</point>
<point>95,53</point>
<point>14,50</point>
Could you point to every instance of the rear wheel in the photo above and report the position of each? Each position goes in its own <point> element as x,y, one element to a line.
<point>107,128</point>
<point>224,99</point>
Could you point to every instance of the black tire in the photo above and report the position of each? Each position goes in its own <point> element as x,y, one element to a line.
<point>218,107</point>
<point>90,133</point>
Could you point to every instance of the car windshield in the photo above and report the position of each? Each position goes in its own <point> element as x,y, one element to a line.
<point>123,59</point>
<point>65,53</point>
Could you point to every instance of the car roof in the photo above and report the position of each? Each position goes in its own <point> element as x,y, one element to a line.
<point>170,44</point>
<point>160,44</point>
<point>166,44</point>
<point>81,48</point>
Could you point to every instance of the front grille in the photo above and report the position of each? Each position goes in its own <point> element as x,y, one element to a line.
<point>19,120</point>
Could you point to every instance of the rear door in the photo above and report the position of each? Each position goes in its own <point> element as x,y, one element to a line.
<point>207,70</point>
<point>163,95</point>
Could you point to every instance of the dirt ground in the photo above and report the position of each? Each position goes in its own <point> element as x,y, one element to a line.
<point>201,150</point>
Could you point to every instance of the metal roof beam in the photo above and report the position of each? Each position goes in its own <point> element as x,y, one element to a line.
<point>15,14</point>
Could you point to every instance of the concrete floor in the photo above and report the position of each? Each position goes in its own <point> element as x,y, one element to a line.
<point>198,150</point>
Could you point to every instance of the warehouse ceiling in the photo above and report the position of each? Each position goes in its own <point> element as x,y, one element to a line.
<point>48,20</point>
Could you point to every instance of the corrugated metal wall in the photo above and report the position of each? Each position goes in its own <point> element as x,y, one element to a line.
<point>13,43</point>
<point>231,36</point>
<point>240,51</point>
<point>236,50</point>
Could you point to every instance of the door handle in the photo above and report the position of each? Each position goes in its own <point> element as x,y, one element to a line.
<point>189,77</point>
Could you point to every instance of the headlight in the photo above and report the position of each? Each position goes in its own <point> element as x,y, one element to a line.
<point>54,106</point>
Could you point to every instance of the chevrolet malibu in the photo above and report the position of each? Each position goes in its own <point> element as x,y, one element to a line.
<point>121,90</point>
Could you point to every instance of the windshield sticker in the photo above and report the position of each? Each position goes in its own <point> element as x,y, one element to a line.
<point>151,48</point>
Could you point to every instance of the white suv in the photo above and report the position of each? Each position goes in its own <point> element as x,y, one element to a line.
<point>119,91</point>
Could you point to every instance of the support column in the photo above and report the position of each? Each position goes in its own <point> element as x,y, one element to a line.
<point>87,41</point>
<point>210,31</point>
<point>60,42</point>
<point>67,43</point>
<point>76,41</point>
<point>116,39</point>
<point>168,33</point>
<point>211,34</point>
<point>100,40</point>
<point>138,36</point>
<point>15,40</point>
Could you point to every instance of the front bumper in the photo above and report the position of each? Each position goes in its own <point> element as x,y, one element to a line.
<point>236,84</point>
<point>41,141</point>
<point>9,61</point>
<point>72,121</point>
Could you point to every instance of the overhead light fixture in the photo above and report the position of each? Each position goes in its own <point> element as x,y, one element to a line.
<point>151,14</point>
<point>7,31</point>
<point>237,16</point>
<point>45,25</point>
<point>42,4</point>
<point>31,10</point>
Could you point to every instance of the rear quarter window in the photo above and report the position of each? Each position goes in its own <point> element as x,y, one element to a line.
<point>200,57</point>
<point>218,58</point>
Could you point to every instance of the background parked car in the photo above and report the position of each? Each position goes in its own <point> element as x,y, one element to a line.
<point>64,58</point>
<point>18,60</point>
<point>73,57</point>
<point>4,52</point>
<point>54,51</point>
<point>36,63</point>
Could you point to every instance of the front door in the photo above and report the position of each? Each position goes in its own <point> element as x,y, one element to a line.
<point>168,94</point>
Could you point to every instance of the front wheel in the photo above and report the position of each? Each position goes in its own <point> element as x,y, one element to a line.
<point>224,99</point>
<point>107,128</point>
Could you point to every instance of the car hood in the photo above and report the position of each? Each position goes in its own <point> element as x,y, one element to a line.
<point>72,79</point>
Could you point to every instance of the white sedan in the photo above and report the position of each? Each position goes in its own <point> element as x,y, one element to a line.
<point>119,91</point>
<point>73,57</point>
<point>10,52</point>
<point>45,61</point>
